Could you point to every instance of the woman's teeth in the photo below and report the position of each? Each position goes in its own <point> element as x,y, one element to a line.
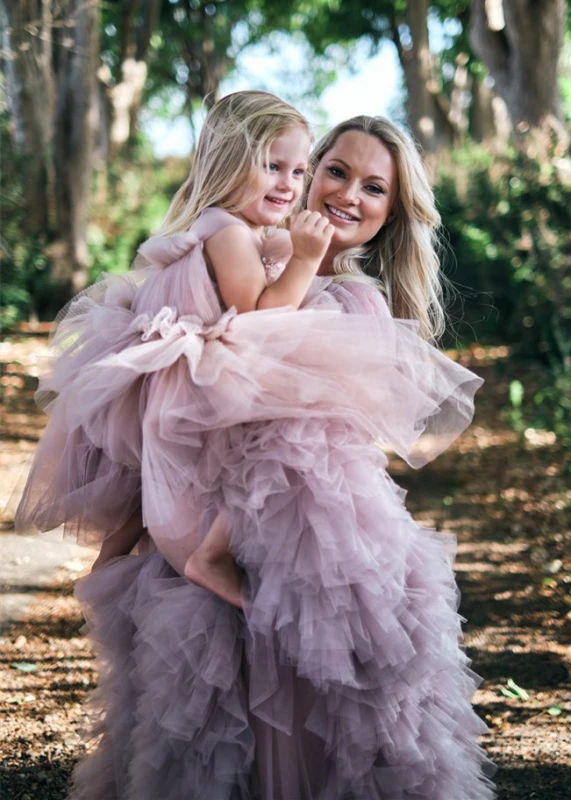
<point>340,214</point>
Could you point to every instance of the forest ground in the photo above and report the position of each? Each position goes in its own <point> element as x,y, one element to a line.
<point>507,499</point>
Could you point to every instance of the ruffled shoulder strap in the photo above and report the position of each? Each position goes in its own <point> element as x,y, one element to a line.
<point>214,219</point>
<point>164,250</point>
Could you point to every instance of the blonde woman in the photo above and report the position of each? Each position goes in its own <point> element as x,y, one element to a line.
<point>224,383</point>
<point>369,181</point>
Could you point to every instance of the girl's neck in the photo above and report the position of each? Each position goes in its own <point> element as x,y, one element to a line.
<point>257,230</point>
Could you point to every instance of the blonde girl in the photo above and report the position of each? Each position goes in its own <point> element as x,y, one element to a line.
<point>251,161</point>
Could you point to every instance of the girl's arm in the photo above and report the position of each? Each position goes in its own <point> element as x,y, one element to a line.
<point>239,272</point>
<point>122,541</point>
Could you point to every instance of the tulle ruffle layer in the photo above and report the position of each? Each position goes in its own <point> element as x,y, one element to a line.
<point>346,587</point>
<point>345,666</point>
<point>132,395</point>
<point>173,721</point>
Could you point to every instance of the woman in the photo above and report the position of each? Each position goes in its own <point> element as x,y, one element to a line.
<point>343,677</point>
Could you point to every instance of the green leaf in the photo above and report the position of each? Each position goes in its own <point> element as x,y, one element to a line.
<point>507,693</point>
<point>520,693</point>
<point>25,666</point>
<point>555,711</point>
<point>516,393</point>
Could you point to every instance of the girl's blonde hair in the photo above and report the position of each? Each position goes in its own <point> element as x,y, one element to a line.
<point>401,259</point>
<point>232,148</point>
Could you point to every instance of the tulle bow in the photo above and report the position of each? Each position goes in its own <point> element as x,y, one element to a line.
<point>166,250</point>
<point>166,324</point>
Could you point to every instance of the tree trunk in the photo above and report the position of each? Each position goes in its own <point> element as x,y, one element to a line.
<point>491,124</point>
<point>76,126</point>
<point>52,55</point>
<point>427,108</point>
<point>27,45</point>
<point>138,23</point>
<point>520,42</point>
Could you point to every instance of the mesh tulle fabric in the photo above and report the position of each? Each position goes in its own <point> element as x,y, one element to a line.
<point>343,679</point>
<point>146,364</point>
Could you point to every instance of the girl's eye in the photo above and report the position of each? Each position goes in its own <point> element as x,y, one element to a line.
<point>336,172</point>
<point>299,172</point>
<point>273,167</point>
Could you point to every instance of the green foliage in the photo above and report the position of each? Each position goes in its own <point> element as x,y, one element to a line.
<point>510,254</point>
<point>27,287</point>
<point>508,229</point>
<point>130,201</point>
<point>552,405</point>
<point>130,198</point>
<point>516,395</point>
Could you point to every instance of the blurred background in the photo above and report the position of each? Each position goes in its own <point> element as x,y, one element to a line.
<point>101,102</point>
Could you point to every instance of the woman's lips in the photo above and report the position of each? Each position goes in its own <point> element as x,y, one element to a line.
<point>339,214</point>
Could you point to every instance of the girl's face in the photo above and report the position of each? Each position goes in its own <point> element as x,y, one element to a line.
<point>354,186</point>
<point>281,182</point>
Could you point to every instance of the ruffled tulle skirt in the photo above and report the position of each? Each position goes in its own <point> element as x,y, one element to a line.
<point>343,679</point>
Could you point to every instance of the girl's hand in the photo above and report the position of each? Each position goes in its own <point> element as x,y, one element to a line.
<point>311,235</point>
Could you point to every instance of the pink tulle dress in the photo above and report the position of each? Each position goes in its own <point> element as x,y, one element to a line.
<point>344,678</point>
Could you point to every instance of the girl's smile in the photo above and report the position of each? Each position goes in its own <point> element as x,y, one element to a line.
<point>281,182</point>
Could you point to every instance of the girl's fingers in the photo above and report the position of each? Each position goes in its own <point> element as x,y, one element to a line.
<point>322,223</point>
<point>304,216</point>
<point>313,218</point>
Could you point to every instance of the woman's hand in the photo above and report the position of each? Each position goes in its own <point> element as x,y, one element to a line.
<point>311,235</point>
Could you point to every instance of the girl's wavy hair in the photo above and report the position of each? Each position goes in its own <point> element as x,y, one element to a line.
<point>401,259</point>
<point>232,149</point>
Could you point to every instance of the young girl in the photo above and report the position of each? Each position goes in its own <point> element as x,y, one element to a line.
<point>265,147</point>
<point>342,677</point>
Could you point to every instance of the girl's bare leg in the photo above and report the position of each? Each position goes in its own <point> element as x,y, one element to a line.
<point>122,541</point>
<point>212,566</point>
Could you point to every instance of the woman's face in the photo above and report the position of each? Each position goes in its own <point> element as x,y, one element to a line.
<point>354,186</point>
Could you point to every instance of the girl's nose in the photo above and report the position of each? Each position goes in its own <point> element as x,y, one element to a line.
<point>285,182</point>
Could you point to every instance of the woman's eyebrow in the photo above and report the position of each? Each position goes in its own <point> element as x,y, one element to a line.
<point>369,177</point>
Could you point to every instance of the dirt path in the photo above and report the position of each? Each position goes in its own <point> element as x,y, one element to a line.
<point>508,502</point>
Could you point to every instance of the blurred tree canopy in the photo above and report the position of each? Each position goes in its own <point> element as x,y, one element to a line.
<point>487,94</point>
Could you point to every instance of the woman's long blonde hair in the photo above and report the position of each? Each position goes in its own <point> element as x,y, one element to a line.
<point>232,148</point>
<point>401,259</point>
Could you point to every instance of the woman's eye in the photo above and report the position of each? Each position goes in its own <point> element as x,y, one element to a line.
<point>336,172</point>
<point>374,189</point>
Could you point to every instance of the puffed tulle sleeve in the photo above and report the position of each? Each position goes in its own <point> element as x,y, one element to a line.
<point>451,386</point>
<point>133,393</point>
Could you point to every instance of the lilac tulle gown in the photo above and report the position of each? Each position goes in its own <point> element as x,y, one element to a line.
<point>343,679</point>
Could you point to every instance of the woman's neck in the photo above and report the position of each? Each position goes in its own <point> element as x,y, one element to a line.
<point>326,266</point>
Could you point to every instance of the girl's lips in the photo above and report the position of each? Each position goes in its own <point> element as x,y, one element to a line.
<point>277,201</point>
<point>339,214</point>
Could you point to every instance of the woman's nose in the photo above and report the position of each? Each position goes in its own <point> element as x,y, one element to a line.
<point>348,192</point>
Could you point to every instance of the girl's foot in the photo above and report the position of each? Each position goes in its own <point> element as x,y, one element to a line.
<point>218,573</point>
